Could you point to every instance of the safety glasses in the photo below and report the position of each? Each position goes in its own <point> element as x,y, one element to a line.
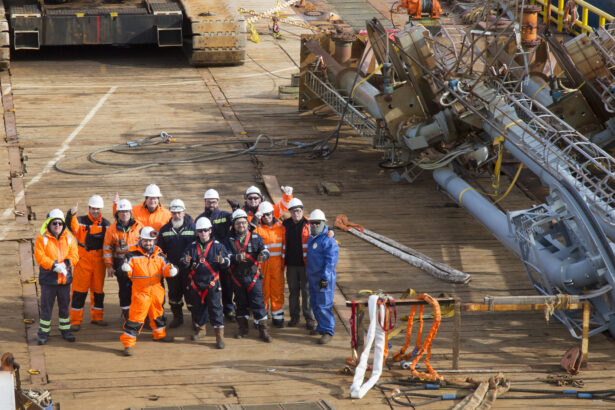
<point>57,223</point>
<point>253,198</point>
<point>203,230</point>
<point>268,214</point>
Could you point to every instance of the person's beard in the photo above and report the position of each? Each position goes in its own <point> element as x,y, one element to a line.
<point>177,223</point>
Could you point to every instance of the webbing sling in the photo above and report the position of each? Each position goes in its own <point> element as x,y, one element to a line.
<point>243,249</point>
<point>203,260</point>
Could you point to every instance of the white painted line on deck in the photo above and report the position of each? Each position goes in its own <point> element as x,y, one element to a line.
<point>27,86</point>
<point>58,155</point>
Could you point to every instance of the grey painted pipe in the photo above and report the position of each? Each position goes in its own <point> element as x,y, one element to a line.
<point>560,273</point>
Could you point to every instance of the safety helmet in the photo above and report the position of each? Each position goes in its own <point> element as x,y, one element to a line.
<point>148,233</point>
<point>265,207</point>
<point>124,205</point>
<point>253,190</point>
<point>55,214</point>
<point>96,201</point>
<point>211,194</point>
<point>152,190</point>
<point>177,205</point>
<point>203,223</point>
<point>295,203</point>
<point>238,214</point>
<point>317,215</point>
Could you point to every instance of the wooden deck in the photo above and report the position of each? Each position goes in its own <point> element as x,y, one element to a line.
<point>74,101</point>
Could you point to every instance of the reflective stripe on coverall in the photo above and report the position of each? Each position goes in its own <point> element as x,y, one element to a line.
<point>49,251</point>
<point>320,264</point>
<point>273,268</point>
<point>118,241</point>
<point>147,294</point>
<point>89,274</point>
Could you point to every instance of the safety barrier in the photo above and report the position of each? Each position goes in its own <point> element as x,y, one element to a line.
<point>556,14</point>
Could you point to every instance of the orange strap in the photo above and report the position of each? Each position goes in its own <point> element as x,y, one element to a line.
<point>425,346</point>
<point>342,222</point>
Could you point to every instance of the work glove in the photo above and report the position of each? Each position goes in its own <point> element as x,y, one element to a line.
<point>288,190</point>
<point>61,268</point>
<point>258,216</point>
<point>263,256</point>
<point>219,258</point>
<point>173,271</point>
<point>233,203</point>
<point>110,272</point>
<point>126,267</point>
<point>324,284</point>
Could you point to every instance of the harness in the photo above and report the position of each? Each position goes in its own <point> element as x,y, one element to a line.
<point>93,242</point>
<point>243,249</point>
<point>203,260</point>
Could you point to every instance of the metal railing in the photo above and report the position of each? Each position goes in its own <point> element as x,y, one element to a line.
<point>555,14</point>
<point>362,124</point>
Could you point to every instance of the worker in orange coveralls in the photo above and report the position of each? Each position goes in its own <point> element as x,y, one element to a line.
<point>150,212</point>
<point>89,274</point>
<point>272,232</point>
<point>145,266</point>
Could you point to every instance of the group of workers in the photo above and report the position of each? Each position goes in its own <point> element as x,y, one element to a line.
<point>223,265</point>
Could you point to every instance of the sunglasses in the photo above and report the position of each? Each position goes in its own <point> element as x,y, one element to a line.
<point>296,210</point>
<point>253,198</point>
<point>203,230</point>
<point>57,223</point>
<point>268,214</point>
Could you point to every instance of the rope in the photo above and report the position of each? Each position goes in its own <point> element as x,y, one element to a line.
<point>562,303</point>
<point>365,79</point>
<point>512,184</point>
<point>342,222</point>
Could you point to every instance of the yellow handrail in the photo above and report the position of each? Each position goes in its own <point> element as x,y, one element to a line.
<point>549,9</point>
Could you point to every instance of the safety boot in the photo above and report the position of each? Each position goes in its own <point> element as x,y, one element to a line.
<point>178,317</point>
<point>310,324</point>
<point>75,328</point>
<point>230,317</point>
<point>199,332</point>
<point>243,327</point>
<point>68,336</point>
<point>219,331</point>
<point>128,351</point>
<point>326,338</point>
<point>42,340</point>
<point>100,322</point>
<point>264,333</point>
<point>279,323</point>
<point>166,339</point>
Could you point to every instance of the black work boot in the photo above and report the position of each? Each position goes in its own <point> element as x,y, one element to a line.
<point>279,323</point>
<point>178,316</point>
<point>264,333</point>
<point>230,317</point>
<point>243,327</point>
<point>219,331</point>
<point>310,324</point>
<point>293,322</point>
<point>68,336</point>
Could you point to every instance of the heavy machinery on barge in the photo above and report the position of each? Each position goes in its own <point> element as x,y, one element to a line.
<point>212,32</point>
<point>454,101</point>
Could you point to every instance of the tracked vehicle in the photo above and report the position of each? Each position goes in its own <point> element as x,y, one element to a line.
<point>212,32</point>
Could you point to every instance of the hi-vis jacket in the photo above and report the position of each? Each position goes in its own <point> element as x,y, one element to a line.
<point>155,219</point>
<point>273,237</point>
<point>147,270</point>
<point>90,233</point>
<point>118,241</point>
<point>48,251</point>
<point>278,209</point>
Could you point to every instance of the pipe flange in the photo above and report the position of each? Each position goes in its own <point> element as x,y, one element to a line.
<point>343,36</point>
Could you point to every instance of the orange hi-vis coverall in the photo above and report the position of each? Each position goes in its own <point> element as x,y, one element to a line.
<point>273,269</point>
<point>154,219</point>
<point>278,209</point>
<point>119,240</point>
<point>89,274</point>
<point>146,274</point>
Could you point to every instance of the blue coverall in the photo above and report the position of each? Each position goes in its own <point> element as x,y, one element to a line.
<point>322,253</point>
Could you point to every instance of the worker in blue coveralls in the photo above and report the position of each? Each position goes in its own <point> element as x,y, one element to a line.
<point>322,253</point>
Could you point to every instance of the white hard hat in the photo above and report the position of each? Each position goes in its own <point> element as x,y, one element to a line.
<point>56,214</point>
<point>253,190</point>
<point>239,213</point>
<point>203,223</point>
<point>265,208</point>
<point>96,201</point>
<point>152,190</point>
<point>317,215</point>
<point>295,203</point>
<point>124,205</point>
<point>211,194</point>
<point>177,205</point>
<point>148,233</point>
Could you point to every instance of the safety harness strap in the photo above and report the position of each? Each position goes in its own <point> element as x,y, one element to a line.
<point>203,259</point>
